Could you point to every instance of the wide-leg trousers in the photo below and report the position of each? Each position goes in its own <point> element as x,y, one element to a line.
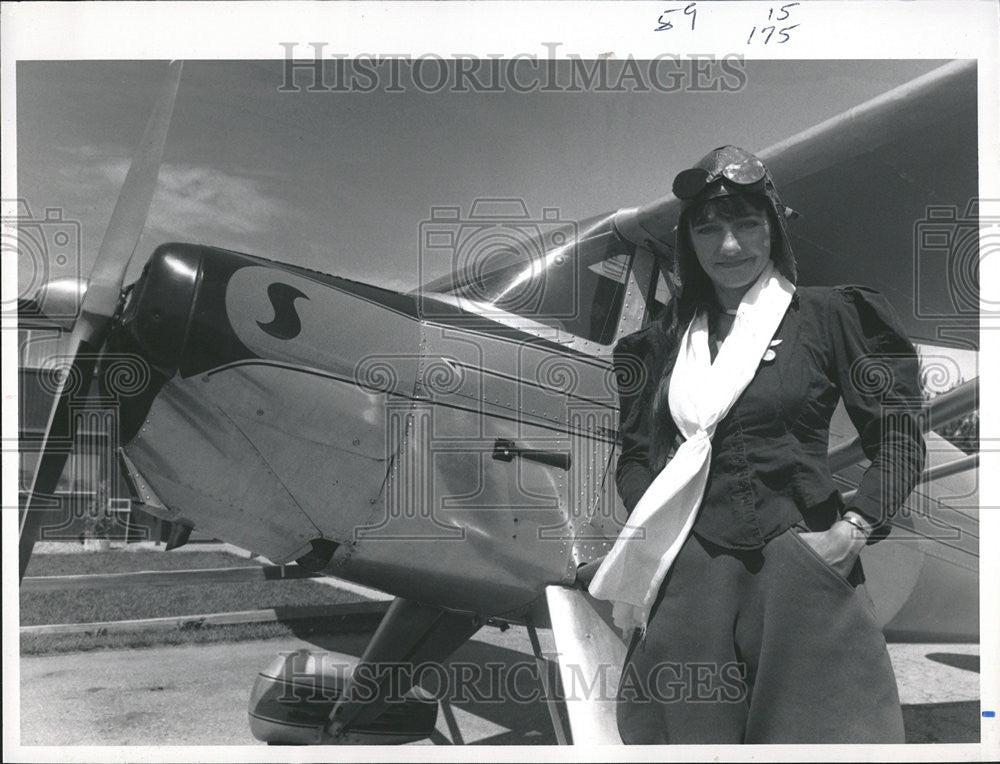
<point>761,646</point>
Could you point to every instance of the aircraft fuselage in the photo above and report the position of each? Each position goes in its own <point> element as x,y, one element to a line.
<point>290,407</point>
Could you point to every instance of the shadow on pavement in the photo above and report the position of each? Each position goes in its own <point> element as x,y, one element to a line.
<point>503,690</point>
<point>956,722</point>
<point>496,684</point>
<point>956,660</point>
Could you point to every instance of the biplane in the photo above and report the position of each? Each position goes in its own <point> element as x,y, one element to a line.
<point>454,446</point>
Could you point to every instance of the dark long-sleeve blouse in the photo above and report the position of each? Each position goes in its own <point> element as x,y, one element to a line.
<point>769,466</point>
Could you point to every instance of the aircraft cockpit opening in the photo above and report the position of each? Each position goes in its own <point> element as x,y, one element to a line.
<point>572,279</point>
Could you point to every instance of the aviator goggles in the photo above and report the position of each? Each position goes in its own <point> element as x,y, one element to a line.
<point>690,183</point>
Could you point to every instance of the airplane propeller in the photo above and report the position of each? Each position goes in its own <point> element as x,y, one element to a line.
<point>100,303</point>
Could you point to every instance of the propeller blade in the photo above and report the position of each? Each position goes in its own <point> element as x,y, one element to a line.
<point>55,446</point>
<point>129,216</point>
<point>99,305</point>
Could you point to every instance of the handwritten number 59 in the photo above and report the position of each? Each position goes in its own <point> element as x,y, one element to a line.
<point>689,10</point>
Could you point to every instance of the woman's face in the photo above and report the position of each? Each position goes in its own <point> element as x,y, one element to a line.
<point>732,250</point>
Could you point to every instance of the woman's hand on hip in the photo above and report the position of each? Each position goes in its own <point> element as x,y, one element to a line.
<point>586,571</point>
<point>839,546</point>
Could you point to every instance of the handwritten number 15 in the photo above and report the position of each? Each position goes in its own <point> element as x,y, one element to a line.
<point>689,10</point>
<point>782,12</point>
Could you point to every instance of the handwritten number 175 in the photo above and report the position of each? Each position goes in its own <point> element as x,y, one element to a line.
<point>664,23</point>
<point>768,31</point>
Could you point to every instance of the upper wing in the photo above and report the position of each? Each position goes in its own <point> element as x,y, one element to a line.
<point>884,191</point>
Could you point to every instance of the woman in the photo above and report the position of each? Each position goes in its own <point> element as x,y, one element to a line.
<point>738,568</point>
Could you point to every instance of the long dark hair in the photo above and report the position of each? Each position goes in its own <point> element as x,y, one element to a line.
<point>691,290</point>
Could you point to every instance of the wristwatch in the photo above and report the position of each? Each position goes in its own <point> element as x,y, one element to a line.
<point>857,522</point>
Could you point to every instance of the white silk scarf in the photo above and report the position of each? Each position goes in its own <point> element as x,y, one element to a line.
<point>701,394</point>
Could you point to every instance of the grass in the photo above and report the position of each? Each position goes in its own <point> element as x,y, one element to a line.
<point>85,606</point>
<point>124,561</point>
<point>47,644</point>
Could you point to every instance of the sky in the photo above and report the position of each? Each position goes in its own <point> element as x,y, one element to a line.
<point>340,181</point>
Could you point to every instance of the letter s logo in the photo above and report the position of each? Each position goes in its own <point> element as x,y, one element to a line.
<point>286,324</point>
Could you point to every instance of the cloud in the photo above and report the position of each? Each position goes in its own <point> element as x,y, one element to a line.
<point>191,202</point>
<point>201,200</point>
<point>203,204</point>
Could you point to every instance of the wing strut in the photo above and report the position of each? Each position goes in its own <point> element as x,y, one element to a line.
<point>543,677</point>
<point>411,633</point>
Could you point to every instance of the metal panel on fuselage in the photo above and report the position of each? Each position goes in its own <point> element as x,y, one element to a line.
<point>485,533</point>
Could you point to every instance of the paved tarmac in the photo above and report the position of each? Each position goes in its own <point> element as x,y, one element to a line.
<point>197,694</point>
